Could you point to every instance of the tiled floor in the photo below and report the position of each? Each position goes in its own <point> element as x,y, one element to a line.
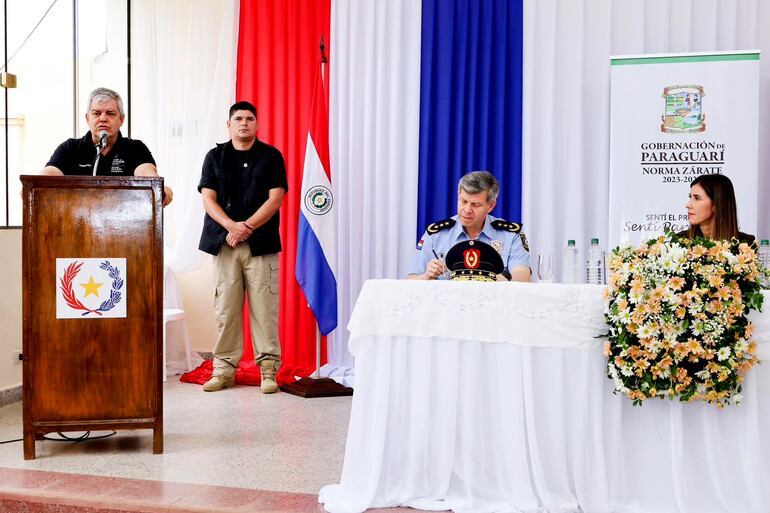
<point>233,450</point>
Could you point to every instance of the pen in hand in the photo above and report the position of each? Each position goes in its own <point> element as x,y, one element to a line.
<point>441,258</point>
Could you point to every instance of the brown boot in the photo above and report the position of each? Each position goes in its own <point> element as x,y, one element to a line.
<point>268,384</point>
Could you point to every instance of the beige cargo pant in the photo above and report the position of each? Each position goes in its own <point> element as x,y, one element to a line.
<point>237,271</point>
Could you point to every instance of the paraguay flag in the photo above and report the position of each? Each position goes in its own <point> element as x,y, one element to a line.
<point>317,231</point>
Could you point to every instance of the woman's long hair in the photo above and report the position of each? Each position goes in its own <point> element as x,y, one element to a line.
<point>720,190</point>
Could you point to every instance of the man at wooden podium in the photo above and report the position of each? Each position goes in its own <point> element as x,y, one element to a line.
<point>103,151</point>
<point>242,187</point>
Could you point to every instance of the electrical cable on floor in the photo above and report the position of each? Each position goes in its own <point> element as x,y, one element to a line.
<point>82,438</point>
<point>64,438</point>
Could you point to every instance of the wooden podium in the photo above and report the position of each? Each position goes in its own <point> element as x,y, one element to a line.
<point>92,373</point>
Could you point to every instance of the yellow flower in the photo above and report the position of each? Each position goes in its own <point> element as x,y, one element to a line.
<point>723,293</point>
<point>697,251</point>
<point>676,283</point>
<point>693,346</point>
<point>607,348</point>
<point>714,306</point>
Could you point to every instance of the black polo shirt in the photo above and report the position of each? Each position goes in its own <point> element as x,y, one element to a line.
<point>242,181</point>
<point>76,157</point>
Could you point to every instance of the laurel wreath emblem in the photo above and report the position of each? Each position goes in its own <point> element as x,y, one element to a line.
<point>65,284</point>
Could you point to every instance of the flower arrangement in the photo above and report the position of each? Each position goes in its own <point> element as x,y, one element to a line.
<point>677,311</point>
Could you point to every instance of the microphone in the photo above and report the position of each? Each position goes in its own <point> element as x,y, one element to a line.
<point>102,139</point>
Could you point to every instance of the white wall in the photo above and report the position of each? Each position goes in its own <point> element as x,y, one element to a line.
<point>10,307</point>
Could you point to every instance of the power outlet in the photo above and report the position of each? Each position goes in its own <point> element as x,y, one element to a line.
<point>17,357</point>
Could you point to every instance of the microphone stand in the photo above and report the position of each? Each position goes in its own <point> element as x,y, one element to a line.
<point>96,160</point>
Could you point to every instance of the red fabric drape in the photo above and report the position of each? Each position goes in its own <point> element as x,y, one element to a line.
<point>277,61</point>
<point>278,56</point>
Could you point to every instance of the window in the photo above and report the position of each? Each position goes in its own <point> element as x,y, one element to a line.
<point>59,51</point>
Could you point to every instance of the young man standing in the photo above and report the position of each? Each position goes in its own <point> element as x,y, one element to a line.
<point>242,187</point>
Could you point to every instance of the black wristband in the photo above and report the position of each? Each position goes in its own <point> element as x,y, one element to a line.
<point>506,274</point>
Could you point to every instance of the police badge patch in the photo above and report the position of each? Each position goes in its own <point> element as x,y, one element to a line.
<point>524,242</point>
<point>498,245</point>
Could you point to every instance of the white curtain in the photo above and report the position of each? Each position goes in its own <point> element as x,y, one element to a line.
<point>567,49</point>
<point>183,83</point>
<point>373,138</point>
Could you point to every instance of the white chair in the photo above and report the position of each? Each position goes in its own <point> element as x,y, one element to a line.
<point>170,315</point>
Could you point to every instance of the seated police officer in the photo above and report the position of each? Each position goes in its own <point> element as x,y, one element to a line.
<point>476,197</point>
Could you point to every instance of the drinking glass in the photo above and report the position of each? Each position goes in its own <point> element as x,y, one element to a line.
<point>545,268</point>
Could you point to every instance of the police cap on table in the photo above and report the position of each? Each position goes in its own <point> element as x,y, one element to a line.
<point>474,260</point>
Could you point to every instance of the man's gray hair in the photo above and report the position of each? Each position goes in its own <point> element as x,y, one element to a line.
<point>479,181</point>
<point>102,94</point>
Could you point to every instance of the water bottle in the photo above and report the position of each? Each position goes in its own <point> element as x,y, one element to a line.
<point>595,264</point>
<point>569,263</point>
<point>764,258</point>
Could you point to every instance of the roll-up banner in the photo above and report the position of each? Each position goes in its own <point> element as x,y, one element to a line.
<point>674,117</point>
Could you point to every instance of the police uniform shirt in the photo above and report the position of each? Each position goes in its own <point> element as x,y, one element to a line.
<point>507,243</point>
<point>77,156</point>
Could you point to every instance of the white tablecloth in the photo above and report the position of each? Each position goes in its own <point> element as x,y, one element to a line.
<point>478,397</point>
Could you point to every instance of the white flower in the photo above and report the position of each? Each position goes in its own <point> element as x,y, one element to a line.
<point>741,346</point>
<point>627,371</point>
<point>671,297</point>
<point>737,399</point>
<point>644,331</point>
<point>723,354</point>
<point>698,328</point>
<point>704,374</point>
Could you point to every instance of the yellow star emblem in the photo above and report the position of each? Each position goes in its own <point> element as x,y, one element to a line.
<point>91,287</point>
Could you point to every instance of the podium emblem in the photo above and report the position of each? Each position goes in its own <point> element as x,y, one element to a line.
<point>90,288</point>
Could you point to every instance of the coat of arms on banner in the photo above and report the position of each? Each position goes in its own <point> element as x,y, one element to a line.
<point>683,109</point>
<point>90,288</point>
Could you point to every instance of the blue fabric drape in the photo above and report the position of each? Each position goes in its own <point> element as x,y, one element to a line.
<point>470,102</point>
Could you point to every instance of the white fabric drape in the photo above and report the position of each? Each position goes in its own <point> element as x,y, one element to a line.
<point>183,83</point>
<point>567,49</point>
<point>182,89</point>
<point>373,137</point>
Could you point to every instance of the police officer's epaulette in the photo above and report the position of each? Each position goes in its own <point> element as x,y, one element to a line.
<point>508,226</point>
<point>440,225</point>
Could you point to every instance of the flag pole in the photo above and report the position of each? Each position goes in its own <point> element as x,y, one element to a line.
<point>315,385</point>
<point>317,372</point>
